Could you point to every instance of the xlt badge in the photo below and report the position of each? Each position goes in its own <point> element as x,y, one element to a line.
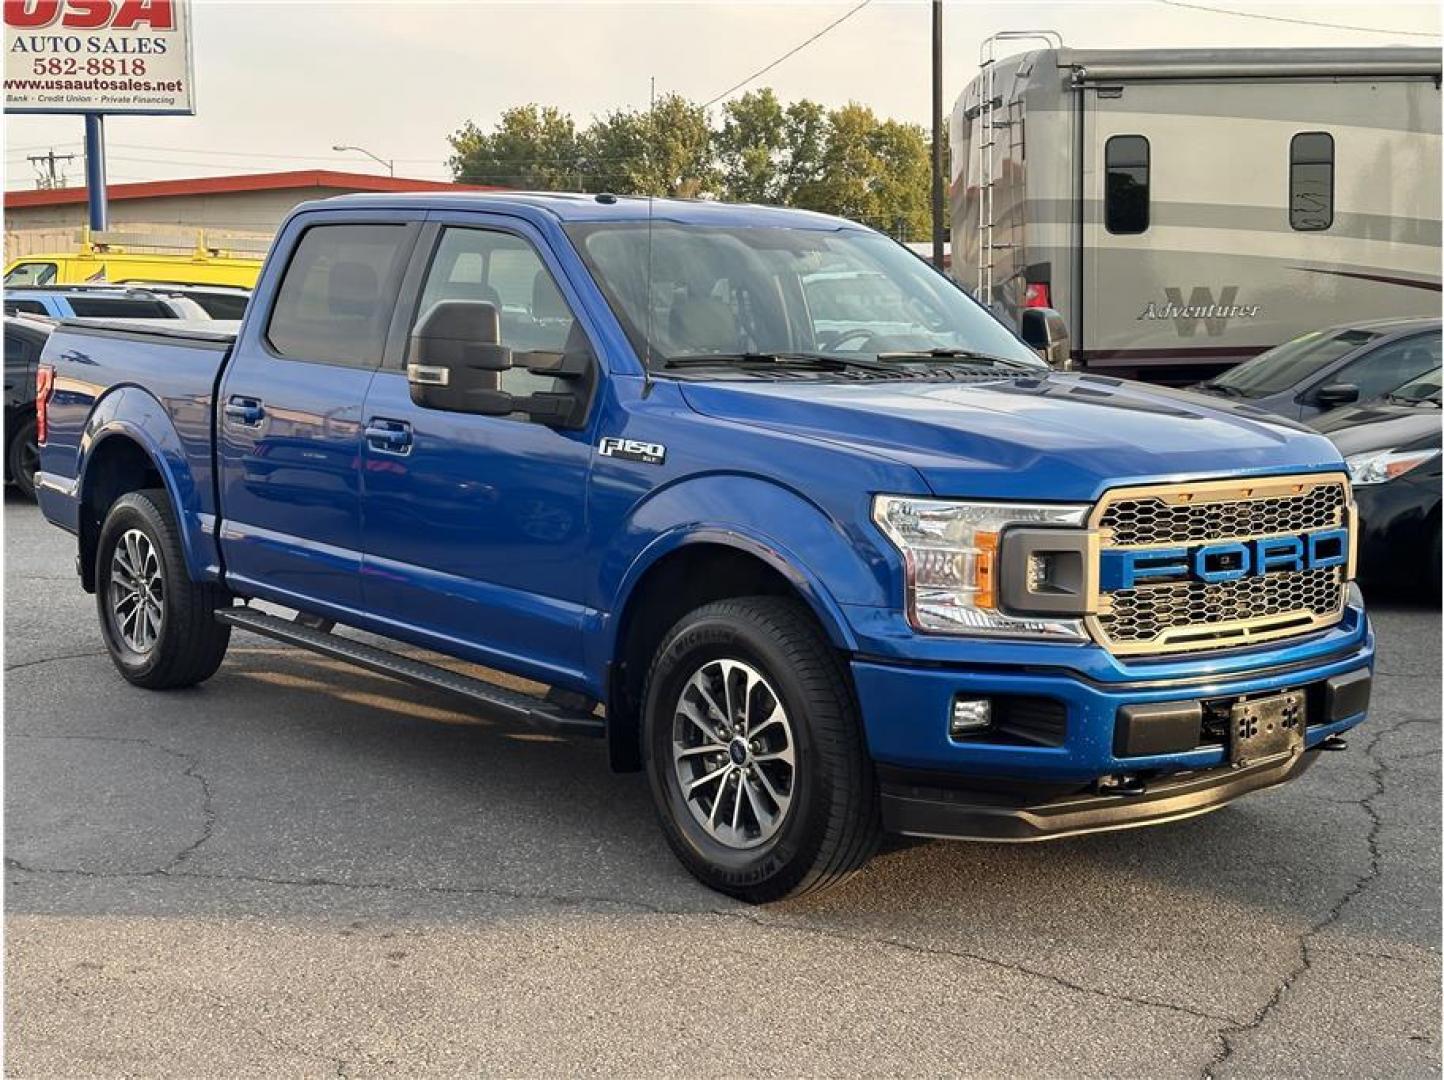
<point>648,453</point>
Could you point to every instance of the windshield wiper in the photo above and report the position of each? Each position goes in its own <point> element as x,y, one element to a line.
<point>956,354</point>
<point>1222,388</point>
<point>817,361</point>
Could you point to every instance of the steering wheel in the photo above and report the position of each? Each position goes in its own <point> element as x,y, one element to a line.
<point>863,335</point>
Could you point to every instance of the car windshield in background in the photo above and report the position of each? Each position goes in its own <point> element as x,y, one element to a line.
<point>119,307</point>
<point>1290,363</point>
<point>750,292</point>
<point>30,273</point>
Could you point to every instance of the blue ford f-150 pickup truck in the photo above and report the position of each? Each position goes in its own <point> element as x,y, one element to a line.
<point>760,497</point>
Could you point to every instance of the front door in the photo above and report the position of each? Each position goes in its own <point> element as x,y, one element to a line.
<point>475,526</point>
<point>290,411</point>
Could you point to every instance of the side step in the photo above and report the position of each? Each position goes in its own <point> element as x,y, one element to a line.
<point>509,704</point>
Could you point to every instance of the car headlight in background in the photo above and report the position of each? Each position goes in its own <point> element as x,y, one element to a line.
<point>1380,466</point>
<point>951,556</point>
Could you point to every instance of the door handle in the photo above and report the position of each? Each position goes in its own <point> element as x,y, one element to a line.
<point>244,410</point>
<point>389,436</point>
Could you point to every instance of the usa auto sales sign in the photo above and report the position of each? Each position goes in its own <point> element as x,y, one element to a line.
<point>98,56</point>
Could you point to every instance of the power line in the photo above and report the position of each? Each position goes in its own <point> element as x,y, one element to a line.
<point>790,53</point>
<point>1296,22</point>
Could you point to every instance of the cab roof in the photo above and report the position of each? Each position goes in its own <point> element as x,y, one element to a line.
<point>572,207</point>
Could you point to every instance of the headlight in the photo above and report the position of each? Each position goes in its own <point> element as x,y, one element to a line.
<point>950,553</point>
<point>1379,466</point>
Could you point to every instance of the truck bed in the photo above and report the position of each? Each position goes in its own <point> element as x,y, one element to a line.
<point>153,380</point>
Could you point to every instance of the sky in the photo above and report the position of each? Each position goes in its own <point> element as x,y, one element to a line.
<point>278,84</point>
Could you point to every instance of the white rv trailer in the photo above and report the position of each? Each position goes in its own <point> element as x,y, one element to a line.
<point>1187,209</point>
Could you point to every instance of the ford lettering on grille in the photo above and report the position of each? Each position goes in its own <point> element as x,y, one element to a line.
<point>1124,569</point>
<point>1207,565</point>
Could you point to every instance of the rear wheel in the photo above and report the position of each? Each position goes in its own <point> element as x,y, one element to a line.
<point>22,458</point>
<point>159,625</point>
<point>755,752</point>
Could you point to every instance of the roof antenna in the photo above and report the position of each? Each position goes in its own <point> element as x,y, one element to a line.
<point>647,348</point>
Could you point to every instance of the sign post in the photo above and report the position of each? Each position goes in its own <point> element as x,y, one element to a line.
<point>95,171</point>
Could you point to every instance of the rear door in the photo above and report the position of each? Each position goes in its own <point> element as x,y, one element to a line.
<point>289,425</point>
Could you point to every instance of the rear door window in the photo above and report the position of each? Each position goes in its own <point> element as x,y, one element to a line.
<point>336,300</point>
<point>32,307</point>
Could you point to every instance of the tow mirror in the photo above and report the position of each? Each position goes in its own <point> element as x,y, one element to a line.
<point>1336,394</point>
<point>1046,333</point>
<point>455,359</point>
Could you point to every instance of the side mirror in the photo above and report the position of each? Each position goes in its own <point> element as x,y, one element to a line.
<point>1335,394</point>
<point>1046,333</point>
<point>454,361</point>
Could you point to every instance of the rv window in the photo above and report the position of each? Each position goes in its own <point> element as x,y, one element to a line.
<point>1125,204</point>
<point>1311,181</point>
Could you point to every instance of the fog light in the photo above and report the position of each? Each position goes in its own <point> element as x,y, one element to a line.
<point>969,715</point>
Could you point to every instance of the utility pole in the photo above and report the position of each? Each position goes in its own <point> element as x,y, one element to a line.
<point>938,133</point>
<point>49,177</point>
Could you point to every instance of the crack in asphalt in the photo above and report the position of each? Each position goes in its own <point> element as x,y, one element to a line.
<point>560,899</point>
<point>1227,1036</point>
<point>53,659</point>
<point>191,770</point>
<point>757,919</point>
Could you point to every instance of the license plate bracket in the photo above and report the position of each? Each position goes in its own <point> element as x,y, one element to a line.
<point>1266,727</point>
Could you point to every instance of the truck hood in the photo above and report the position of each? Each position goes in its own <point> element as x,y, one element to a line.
<point>1054,437</point>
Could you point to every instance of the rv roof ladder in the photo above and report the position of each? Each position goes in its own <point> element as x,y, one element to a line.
<point>988,127</point>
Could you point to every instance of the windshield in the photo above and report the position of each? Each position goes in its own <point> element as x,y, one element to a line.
<point>1290,363</point>
<point>740,291</point>
<point>30,273</point>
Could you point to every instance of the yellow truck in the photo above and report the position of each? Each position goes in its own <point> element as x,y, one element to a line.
<point>97,260</point>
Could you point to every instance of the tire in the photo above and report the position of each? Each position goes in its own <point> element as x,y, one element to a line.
<point>22,458</point>
<point>758,849</point>
<point>186,645</point>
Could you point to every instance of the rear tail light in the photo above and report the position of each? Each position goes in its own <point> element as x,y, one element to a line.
<point>1037,295</point>
<point>44,387</point>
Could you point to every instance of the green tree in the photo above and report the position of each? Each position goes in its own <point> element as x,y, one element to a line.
<point>532,147</point>
<point>665,150</point>
<point>874,171</point>
<point>752,147</point>
<point>767,153</point>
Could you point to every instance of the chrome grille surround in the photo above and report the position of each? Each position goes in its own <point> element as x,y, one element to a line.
<point>1179,616</point>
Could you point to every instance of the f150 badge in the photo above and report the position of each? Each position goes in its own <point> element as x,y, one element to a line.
<point>648,453</point>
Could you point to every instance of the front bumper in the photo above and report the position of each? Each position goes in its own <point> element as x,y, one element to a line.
<point>918,810</point>
<point>905,709</point>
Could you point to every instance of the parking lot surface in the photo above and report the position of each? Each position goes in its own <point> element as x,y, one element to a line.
<point>299,869</point>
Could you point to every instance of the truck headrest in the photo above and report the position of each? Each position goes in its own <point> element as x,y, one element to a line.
<point>352,288</point>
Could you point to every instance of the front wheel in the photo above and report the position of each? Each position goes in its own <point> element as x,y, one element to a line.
<point>159,625</point>
<point>755,751</point>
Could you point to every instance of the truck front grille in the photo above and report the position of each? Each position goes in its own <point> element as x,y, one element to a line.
<point>1183,615</point>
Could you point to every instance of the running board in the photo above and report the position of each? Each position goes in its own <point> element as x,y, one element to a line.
<point>510,704</point>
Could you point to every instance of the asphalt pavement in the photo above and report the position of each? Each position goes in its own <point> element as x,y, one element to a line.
<point>300,869</point>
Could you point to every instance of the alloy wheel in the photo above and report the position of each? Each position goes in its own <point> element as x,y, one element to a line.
<point>734,753</point>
